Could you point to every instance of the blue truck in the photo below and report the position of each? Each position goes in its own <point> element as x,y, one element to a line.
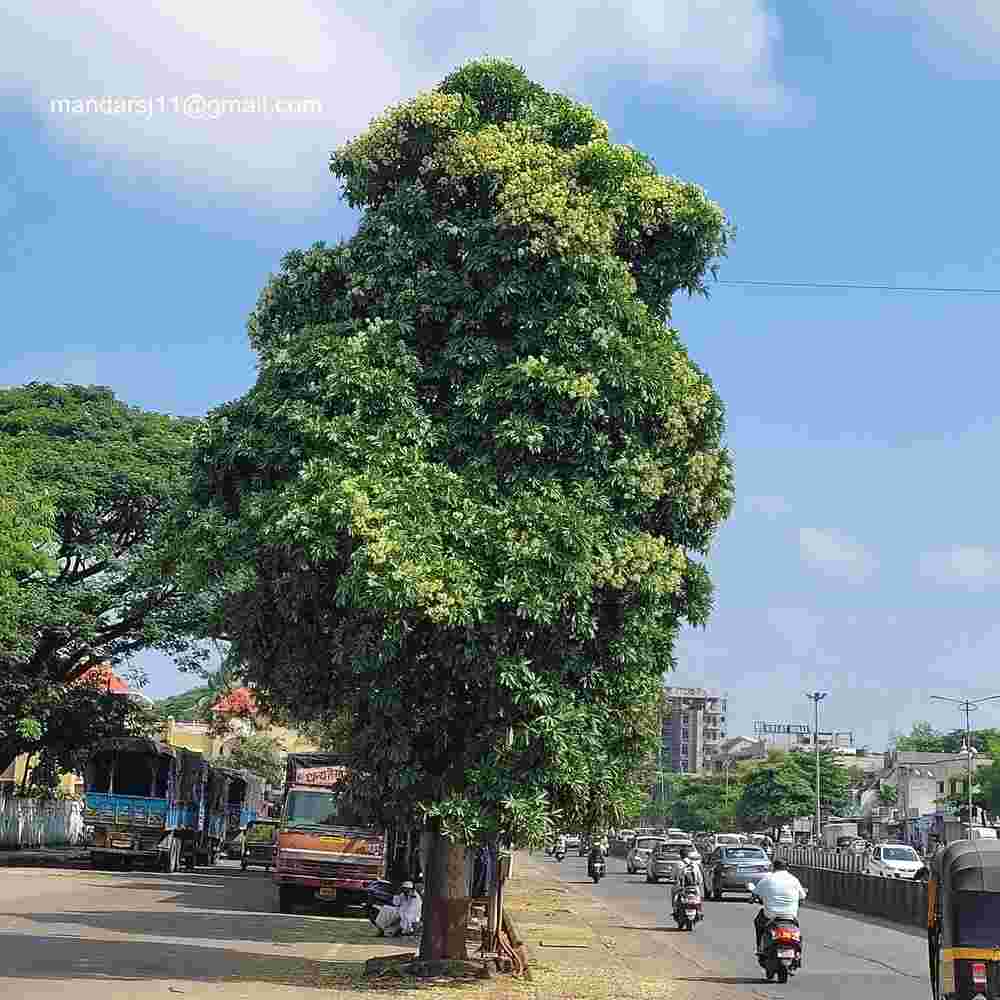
<point>145,800</point>
<point>245,803</point>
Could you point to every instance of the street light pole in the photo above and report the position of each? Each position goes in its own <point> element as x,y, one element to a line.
<point>816,697</point>
<point>968,706</point>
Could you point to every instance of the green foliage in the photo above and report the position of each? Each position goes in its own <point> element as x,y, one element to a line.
<point>834,781</point>
<point>466,499</point>
<point>260,754</point>
<point>887,795</point>
<point>101,589</point>
<point>924,738</point>
<point>27,520</point>
<point>776,794</point>
<point>187,706</point>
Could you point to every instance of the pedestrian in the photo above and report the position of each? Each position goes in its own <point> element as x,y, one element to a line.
<point>403,916</point>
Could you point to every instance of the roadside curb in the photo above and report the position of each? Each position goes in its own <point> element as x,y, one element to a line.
<point>42,859</point>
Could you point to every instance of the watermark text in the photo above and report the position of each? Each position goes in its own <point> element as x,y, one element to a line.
<point>194,106</point>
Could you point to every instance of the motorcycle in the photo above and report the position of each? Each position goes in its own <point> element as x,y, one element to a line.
<point>688,909</point>
<point>378,894</point>
<point>779,951</point>
<point>596,869</point>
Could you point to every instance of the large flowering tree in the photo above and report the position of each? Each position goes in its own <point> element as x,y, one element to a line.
<point>466,499</point>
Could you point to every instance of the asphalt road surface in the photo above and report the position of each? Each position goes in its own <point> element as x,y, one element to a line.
<point>844,956</point>
<point>96,935</point>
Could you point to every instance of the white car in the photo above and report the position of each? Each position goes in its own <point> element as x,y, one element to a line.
<point>638,856</point>
<point>894,861</point>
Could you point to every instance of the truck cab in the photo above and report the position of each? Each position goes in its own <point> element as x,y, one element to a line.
<point>325,852</point>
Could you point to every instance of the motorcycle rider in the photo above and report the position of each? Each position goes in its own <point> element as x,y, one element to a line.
<point>780,893</point>
<point>687,873</point>
<point>598,852</point>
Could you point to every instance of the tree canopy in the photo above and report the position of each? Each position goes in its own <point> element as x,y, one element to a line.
<point>776,794</point>
<point>468,495</point>
<point>101,588</point>
<point>260,754</point>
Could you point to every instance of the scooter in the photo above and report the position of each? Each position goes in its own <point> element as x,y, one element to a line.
<point>688,909</point>
<point>560,854</point>
<point>378,894</point>
<point>779,951</point>
<point>596,869</point>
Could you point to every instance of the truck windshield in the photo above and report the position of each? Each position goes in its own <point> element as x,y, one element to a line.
<point>320,808</point>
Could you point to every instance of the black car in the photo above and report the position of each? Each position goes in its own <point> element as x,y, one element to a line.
<point>728,869</point>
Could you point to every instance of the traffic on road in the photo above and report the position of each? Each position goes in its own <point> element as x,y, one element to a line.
<point>843,953</point>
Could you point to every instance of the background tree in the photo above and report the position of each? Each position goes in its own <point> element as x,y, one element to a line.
<point>27,522</point>
<point>468,495</point>
<point>185,706</point>
<point>775,794</point>
<point>924,738</point>
<point>112,474</point>
<point>834,781</point>
<point>261,754</point>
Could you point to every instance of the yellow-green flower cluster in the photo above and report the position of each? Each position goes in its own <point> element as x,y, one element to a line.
<point>644,561</point>
<point>538,191</point>
<point>691,393</point>
<point>558,379</point>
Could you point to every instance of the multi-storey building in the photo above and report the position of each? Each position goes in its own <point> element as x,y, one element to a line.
<point>693,727</point>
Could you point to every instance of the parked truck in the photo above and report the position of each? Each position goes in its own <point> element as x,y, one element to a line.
<point>141,800</point>
<point>325,853</point>
<point>839,834</point>
<point>244,805</point>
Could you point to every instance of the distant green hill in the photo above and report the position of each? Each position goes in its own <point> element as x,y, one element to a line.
<point>183,706</point>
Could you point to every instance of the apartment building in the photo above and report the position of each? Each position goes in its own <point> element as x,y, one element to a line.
<point>693,727</point>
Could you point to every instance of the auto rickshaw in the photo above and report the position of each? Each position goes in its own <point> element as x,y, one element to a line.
<point>963,921</point>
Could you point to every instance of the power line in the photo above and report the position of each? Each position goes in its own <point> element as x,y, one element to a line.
<point>857,285</point>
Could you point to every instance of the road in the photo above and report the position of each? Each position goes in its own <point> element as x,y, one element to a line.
<point>845,955</point>
<point>129,935</point>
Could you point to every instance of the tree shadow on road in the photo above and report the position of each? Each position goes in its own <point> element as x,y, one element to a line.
<point>279,929</point>
<point>62,958</point>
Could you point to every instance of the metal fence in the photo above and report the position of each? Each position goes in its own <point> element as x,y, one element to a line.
<point>33,823</point>
<point>815,857</point>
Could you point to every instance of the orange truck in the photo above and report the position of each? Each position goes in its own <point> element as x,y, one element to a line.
<point>324,855</point>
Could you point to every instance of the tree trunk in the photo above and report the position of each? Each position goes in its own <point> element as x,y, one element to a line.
<point>446,905</point>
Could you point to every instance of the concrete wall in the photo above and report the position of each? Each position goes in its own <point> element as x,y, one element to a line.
<point>895,899</point>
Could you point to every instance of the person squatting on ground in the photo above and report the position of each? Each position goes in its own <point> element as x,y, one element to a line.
<point>403,916</point>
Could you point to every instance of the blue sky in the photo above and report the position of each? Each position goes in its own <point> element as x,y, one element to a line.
<point>848,141</point>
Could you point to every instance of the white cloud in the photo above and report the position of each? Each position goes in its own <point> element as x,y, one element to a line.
<point>837,556</point>
<point>769,506</point>
<point>968,565</point>
<point>948,32</point>
<point>355,58</point>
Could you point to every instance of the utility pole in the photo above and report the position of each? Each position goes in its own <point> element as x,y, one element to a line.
<point>816,697</point>
<point>968,706</point>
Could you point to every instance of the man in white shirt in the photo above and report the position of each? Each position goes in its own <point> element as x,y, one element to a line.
<point>403,916</point>
<point>780,892</point>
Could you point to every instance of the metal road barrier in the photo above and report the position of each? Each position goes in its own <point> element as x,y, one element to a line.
<point>817,857</point>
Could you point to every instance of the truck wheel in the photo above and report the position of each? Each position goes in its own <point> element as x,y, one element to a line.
<point>286,898</point>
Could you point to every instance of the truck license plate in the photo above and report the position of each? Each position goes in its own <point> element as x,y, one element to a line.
<point>328,892</point>
<point>786,953</point>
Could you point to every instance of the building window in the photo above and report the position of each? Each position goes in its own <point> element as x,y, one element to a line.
<point>940,788</point>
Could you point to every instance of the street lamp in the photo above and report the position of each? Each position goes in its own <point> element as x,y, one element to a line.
<point>816,697</point>
<point>968,706</point>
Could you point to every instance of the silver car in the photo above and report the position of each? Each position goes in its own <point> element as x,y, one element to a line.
<point>638,856</point>
<point>663,861</point>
